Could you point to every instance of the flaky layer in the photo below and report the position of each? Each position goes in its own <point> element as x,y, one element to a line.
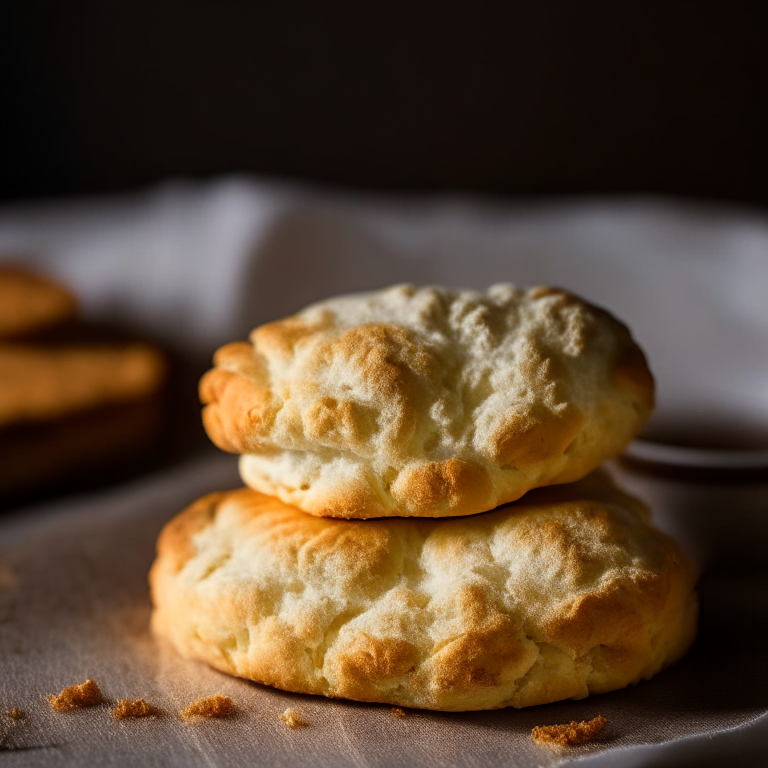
<point>427,402</point>
<point>568,593</point>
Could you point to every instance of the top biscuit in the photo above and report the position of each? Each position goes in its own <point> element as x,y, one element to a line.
<point>31,302</point>
<point>427,402</point>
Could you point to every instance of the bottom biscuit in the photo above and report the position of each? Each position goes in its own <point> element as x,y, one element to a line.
<point>565,593</point>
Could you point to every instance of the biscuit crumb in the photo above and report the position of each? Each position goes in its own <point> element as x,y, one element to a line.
<point>397,712</point>
<point>293,719</point>
<point>209,706</point>
<point>15,714</point>
<point>127,708</point>
<point>569,735</point>
<point>76,696</point>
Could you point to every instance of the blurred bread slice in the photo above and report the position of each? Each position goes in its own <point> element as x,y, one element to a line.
<point>30,302</point>
<point>40,384</point>
<point>76,401</point>
<point>65,411</point>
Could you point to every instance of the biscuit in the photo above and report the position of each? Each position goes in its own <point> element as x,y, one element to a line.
<point>566,593</point>
<point>65,410</point>
<point>39,384</point>
<point>30,302</point>
<point>78,402</point>
<point>427,402</point>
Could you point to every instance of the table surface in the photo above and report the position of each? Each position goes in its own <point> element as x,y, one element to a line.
<point>74,604</point>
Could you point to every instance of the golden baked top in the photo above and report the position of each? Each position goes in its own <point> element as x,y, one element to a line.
<point>30,302</point>
<point>427,402</point>
<point>567,592</point>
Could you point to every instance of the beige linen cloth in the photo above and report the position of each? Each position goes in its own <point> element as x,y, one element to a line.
<point>201,265</point>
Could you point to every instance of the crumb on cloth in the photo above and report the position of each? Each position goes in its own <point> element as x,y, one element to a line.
<point>77,696</point>
<point>137,708</point>
<point>568,735</point>
<point>293,719</point>
<point>397,712</point>
<point>15,714</point>
<point>209,706</point>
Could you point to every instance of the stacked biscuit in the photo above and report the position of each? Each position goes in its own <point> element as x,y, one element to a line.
<point>375,554</point>
<point>75,401</point>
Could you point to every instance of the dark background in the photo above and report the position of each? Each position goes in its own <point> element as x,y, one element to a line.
<point>533,98</point>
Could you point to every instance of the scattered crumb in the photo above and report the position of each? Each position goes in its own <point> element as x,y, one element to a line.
<point>15,714</point>
<point>127,708</point>
<point>397,712</point>
<point>568,735</point>
<point>76,696</point>
<point>209,706</point>
<point>293,719</point>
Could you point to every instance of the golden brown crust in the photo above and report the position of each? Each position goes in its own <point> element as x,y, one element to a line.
<point>527,437</point>
<point>566,593</point>
<point>427,402</point>
<point>442,486</point>
<point>30,302</point>
<point>222,391</point>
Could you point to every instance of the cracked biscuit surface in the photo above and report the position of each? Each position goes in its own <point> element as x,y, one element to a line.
<point>427,402</point>
<point>568,592</point>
